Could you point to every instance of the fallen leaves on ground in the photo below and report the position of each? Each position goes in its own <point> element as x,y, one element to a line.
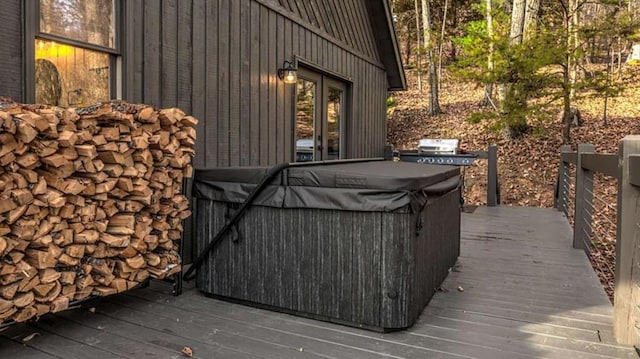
<point>30,337</point>
<point>527,167</point>
<point>187,351</point>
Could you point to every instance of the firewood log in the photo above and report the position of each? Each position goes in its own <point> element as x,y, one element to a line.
<point>90,201</point>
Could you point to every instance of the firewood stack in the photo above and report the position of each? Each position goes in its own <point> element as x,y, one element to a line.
<point>90,201</point>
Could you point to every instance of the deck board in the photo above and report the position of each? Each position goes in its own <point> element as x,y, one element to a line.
<point>525,294</point>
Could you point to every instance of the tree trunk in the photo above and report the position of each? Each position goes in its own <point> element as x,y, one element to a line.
<point>444,22</point>
<point>512,102</point>
<point>508,6</point>
<point>574,43</point>
<point>530,18</point>
<point>606,94</point>
<point>619,58</point>
<point>434,103</point>
<point>419,53</point>
<point>517,22</point>
<point>569,72</point>
<point>566,110</point>
<point>488,90</point>
<point>407,51</point>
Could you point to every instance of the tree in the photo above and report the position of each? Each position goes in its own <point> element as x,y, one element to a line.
<point>488,90</point>
<point>614,26</point>
<point>434,102</point>
<point>512,96</point>
<point>519,49</point>
<point>420,51</point>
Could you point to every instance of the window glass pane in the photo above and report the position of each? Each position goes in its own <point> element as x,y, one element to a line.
<point>89,21</point>
<point>70,76</point>
<point>305,119</point>
<point>333,123</point>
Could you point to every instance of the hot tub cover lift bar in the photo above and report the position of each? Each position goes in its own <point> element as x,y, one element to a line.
<point>273,172</point>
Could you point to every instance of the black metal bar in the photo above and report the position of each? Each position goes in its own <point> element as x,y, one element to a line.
<point>453,160</point>
<point>600,162</point>
<point>274,171</point>
<point>569,157</point>
<point>480,154</point>
<point>177,278</point>
<point>73,304</point>
<point>492,178</point>
<point>634,170</point>
<point>31,25</point>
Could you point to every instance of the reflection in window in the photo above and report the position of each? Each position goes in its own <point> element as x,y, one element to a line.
<point>89,21</point>
<point>333,119</point>
<point>70,76</point>
<point>305,117</point>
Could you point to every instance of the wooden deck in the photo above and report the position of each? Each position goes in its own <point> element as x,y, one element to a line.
<point>519,291</point>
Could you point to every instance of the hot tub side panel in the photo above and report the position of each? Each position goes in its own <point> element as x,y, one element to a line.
<point>418,251</point>
<point>320,263</point>
<point>438,246</point>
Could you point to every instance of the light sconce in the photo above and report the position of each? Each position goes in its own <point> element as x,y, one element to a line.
<point>288,73</point>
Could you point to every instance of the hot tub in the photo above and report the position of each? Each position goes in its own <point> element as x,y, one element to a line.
<point>364,244</point>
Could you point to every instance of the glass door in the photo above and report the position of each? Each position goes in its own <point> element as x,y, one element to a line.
<point>334,104</point>
<point>320,117</point>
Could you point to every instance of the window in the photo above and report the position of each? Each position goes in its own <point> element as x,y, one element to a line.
<point>320,117</point>
<point>75,51</point>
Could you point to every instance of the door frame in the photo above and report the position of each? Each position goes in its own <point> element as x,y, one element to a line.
<point>323,80</point>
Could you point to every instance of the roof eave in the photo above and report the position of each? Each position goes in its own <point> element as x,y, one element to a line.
<point>380,14</point>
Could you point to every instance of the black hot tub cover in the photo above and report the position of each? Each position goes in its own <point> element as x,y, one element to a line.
<point>382,186</point>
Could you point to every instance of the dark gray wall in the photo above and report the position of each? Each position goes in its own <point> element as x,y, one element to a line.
<point>11,44</point>
<point>218,61</point>
<point>345,20</point>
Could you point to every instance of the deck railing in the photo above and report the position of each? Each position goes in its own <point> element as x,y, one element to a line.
<point>606,222</point>
<point>491,155</point>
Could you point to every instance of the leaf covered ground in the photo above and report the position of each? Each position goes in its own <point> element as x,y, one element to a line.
<point>527,167</point>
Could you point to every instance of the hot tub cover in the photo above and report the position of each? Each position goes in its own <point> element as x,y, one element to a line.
<point>361,186</point>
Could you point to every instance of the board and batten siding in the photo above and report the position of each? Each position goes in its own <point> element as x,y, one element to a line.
<point>11,42</point>
<point>345,20</point>
<point>218,60</point>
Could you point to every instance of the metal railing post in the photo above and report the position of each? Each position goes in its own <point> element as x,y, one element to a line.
<point>560,200</point>
<point>626,313</point>
<point>492,177</point>
<point>583,201</point>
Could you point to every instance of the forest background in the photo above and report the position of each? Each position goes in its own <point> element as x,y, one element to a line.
<point>527,76</point>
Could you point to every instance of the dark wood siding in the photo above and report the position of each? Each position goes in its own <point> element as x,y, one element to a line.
<point>218,61</point>
<point>343,20</point>
<point>11,59</point>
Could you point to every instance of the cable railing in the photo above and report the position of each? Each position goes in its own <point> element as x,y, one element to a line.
<point>581,195</point>
<point>565,193</point>
<point>600,196</point>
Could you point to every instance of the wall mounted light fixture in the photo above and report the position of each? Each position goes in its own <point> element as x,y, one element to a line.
<point>288,73</point>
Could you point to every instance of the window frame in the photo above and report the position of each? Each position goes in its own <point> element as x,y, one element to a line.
<point>31,23</point>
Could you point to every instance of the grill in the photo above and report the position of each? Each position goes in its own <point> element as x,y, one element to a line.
<point>439,152</point>
<point>304,150</point>
<point>448,152</point>
<point>431,146</point>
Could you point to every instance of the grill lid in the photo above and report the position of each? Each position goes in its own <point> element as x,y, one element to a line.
<point>436,146</point>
